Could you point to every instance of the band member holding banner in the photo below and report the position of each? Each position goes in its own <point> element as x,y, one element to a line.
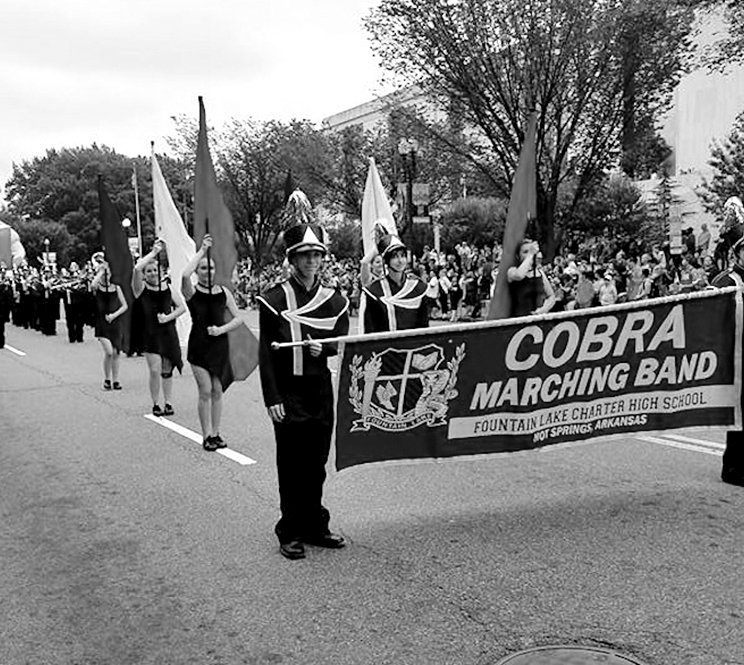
<point>158,321</point>
<point>395,301</point>
<point>732,470</point>
<point>208,346</point>
<point>297,388</point>
<point>529,287</point>
<point>110,305</point>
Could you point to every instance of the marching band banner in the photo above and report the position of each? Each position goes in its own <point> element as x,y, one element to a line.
<point>519,384</point>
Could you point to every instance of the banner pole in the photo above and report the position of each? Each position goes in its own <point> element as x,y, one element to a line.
<point>525,320</point>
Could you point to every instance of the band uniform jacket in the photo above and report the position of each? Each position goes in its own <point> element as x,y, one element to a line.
<point>291,376</point>
<point>386,306</point>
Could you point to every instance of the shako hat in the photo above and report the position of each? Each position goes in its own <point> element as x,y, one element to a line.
<point>387,244</point>
<point>304,238</point>
<point>302,234</point>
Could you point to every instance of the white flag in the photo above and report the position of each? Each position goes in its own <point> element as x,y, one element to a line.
<point>375,208</point>
<point>178,245</point>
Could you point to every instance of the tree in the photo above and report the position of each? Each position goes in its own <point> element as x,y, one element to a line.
<point>568,59</point>
<point>254,159</point>
<point>729,48</point>
<point>61,187</point>
<point>616,206</point>
<point>33,232</point>
<point>727,163</point>
<point>346,240</point>
<point>478,221</point>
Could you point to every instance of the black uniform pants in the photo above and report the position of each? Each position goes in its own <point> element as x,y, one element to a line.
<point>2,330</point>
<point>301,454</point>
<point>75,318</point>
<point>733,455</point>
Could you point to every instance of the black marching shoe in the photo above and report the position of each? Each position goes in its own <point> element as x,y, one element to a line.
<point>107,384</point>
<point>157,411</point>
<point>168,410</point>
<point>732,477</point>
<point>117,385</point>
<point>329,540</point>
<point>218,441</point>
<point>209,445</point>
<point>294,549</point>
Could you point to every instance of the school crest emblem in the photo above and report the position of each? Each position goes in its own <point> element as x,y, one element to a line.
<point>397,390</point>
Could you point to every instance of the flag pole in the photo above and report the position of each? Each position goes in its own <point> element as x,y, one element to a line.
<point>137,208</point>
<point>209,268</point>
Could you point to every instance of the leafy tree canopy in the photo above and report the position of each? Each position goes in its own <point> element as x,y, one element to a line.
<point>590,68</point>
<point>727,162</point>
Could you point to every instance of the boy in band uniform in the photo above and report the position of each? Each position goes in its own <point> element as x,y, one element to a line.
<point>297,388</point>
<point>396,300</point>
<point>732,470</point>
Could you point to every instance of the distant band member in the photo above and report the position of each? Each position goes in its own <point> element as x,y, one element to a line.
<point>208,347</point>
<point>732,470</point>
<point>158,321</point>
<point>75,299</point>
<point>297,388</point>
<point>110,305</point>
<point>6,301</point>
<point>529,287</point>
<point>396,300</point>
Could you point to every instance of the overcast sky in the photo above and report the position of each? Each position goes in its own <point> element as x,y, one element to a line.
<point>113,72</point>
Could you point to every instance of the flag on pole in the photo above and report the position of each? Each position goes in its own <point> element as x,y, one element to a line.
<point>116,251</point>
<point>375,208</point>
<point>210,210</point>
<point>179,247</point>
<point>522,207</point>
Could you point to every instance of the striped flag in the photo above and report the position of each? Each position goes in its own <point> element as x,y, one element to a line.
<point>178,245</point>
<point>522,207</point>
<point>211,213</point>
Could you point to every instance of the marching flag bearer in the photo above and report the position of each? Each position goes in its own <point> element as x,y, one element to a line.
<point>297,388</point>
<point>732,470</point>
<point>396,300</point>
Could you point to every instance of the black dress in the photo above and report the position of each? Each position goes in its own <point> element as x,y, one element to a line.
<point>159,338</point>
<point>527,295</point>
<point>204,350</point>
<point>107,302</point>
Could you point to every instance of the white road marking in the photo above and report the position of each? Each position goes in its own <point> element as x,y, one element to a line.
<point>14,350</point>
<point>196,438</point>
<point>700,442</point>
<point>682,446</point>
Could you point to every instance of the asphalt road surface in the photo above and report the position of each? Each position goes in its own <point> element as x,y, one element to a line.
<point>123,542</point>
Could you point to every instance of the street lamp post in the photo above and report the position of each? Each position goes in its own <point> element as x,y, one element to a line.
<point>407,149</point>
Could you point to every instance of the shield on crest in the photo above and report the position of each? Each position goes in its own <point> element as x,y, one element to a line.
<point>403,388</point>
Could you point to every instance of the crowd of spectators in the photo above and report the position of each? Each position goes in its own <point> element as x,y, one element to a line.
<point>586,272</point>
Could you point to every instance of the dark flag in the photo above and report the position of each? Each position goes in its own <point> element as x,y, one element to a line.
<point>210,210</point>
<point>116,251</point>
<point>522,207</point>
<point>212,215</point>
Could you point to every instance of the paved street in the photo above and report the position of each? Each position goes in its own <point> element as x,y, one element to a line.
<point>123,542</point>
